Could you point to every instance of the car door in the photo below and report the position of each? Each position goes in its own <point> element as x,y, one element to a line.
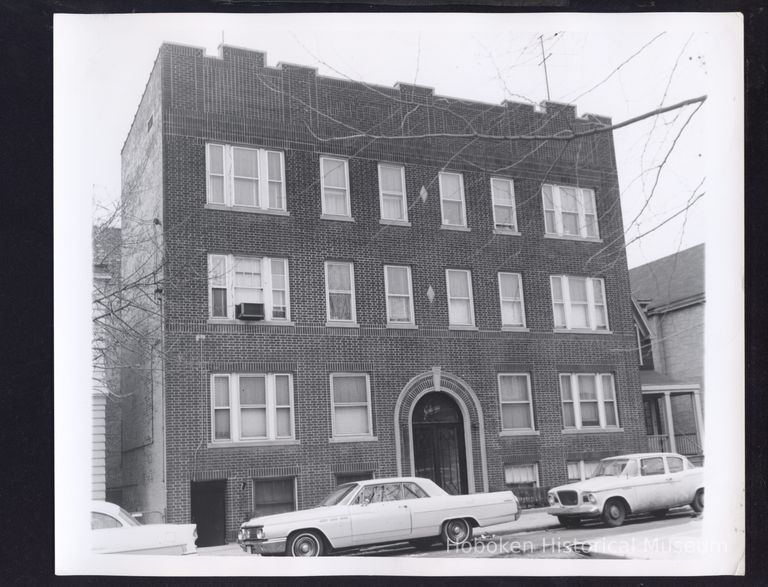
<point>379,514</point>
<point>679,482</point>
<point>652,489</point>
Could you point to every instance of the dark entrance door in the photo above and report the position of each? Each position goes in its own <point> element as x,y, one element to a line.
<point>438,442</point>
<point>209,511</point>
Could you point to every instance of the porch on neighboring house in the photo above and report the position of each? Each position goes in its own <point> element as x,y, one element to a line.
<point>673,416</point>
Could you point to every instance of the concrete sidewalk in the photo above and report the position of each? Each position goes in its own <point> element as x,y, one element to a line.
<point>530,520</point>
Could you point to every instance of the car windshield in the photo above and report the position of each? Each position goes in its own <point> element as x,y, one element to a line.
<point>338,494</point>
<point>614,468</point>
<point>128,518</point>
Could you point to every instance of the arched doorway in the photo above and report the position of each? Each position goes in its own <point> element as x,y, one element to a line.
<point>439,452</point>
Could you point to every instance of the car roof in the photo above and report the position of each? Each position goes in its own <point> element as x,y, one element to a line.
<point>391,480</point>
<point>638,455</point>
<point>104,507</point>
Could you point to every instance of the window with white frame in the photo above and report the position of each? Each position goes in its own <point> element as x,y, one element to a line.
<point>340,291</point>
<point>249,407</point>
<point>579,302</point>
<point>504,212</point>
<point>521,475</point>
<point>581,470</point>
<point>569,211</point>
<point>234,280</point>
<point>516,405</point>
<point>461,310</point>
<point>334,183</point>
<point>452,199</point>
<point>397,282</point>
<point>250,178</point>
<point>511,296</point>
<point>394,204</point>
<point>351,404</point>
<point>589,400</point>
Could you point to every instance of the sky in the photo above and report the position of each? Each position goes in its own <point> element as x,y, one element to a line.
<point>615,66</point>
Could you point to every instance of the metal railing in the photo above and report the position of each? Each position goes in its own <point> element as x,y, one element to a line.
<point>658,443</point>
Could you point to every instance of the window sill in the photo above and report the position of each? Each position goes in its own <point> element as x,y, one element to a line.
<point>263,322</point>
<point>580,331</point>
<point>400,326</point>
<point>519,433</point>
<point>591,430</point>
<point>507,232</point>
<point>335,217</point>
<point>394,222</point>
<point>252,443</point>
<point>332,324</point>
<point>515,329</point>
<point>340,439</point>
<point>462,327</point>
<point>248,209</point>
<point>565,237</point>
<point>457,228</point>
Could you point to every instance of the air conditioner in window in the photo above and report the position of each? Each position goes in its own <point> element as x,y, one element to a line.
<point>246,311</point>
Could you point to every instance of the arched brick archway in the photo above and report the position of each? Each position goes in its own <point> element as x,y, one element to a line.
<point>471,411</point>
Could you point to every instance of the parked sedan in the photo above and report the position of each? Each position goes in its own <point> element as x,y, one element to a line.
<point>630,484</point>
<point>378,511</point>
<point>116,531</point>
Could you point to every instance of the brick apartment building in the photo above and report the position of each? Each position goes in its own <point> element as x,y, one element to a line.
<point>335,304</point>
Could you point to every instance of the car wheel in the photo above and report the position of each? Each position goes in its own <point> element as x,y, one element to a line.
<point>456,532</point>
<point>569,522</point>
<point>659,514</point>
<point>698,501</point>
<point>422,543</point>
<point>305,543</point>
<point>614,513</point>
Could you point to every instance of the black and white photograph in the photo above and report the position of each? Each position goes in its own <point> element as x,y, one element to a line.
<point>460,290</point>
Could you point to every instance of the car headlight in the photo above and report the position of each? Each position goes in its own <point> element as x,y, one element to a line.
<point>259,533</point>
<point>591,498</point>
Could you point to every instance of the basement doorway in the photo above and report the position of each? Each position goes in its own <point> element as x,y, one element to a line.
<point>209,511</point>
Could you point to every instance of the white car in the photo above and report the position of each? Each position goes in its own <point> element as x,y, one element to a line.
<point>630,484</point>
<point>378,511</point>
<point>113,530</point>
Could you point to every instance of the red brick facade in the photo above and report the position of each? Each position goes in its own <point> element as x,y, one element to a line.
<point>236,100</point>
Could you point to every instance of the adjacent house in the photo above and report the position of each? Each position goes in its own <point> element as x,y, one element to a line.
<point>669,318</point>
<point>106,279</point>
<point>355,281</point>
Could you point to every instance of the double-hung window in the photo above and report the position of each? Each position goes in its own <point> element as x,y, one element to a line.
<point>578,303</point>
<point>569,211</point>
<point>515,397</point>
<point>452,204</point>
<point>234,280</point>
<point>250,407</point>
<point>504,212</point>
<point>397,282</point>
<point>394,204</point>
<point>511,296</point>
<point>351,405</point>
<point>589,400</point>
<point>245,177</point>
<point>334,184</point>
<point>340,292</point>
<point>461,311</point>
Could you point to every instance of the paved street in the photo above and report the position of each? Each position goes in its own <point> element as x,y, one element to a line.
<point>538,535</point>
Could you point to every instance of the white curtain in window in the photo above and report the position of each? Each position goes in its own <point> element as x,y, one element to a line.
<point>393,208</point>
<point>522,474</point>
<point>216,173</point>
<point>574,471</point>
<point>579,302</point>
<point>245,171</point>
<point>516,416</point>
<point>549,209</point>
<point>275,176</point>
<point>513,388</point>
<point>351,420</point>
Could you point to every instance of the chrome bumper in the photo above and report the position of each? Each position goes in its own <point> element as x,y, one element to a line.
<point>585,509</point>
<point>274,546</point>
